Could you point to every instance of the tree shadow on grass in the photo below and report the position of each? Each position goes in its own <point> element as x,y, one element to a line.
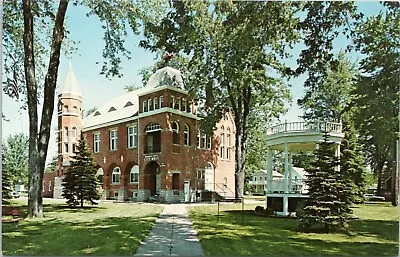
<point>112,236</point>
<point>278,237</point>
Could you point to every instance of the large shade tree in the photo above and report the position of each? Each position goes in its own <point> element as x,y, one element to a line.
<point>34,33</point>
<point>234,51</point>
<point>377,116</point>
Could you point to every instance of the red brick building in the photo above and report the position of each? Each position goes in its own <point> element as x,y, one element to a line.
<point>148,143</point>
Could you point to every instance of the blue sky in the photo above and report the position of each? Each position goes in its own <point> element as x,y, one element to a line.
<point>96,89</point>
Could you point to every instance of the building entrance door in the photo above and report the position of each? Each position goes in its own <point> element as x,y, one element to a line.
<point>186,190</point>
<point>152,178</point>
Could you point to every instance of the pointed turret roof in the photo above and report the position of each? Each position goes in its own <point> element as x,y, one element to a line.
<point>71,84</point>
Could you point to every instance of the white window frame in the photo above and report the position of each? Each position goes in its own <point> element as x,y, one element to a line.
<point>209,139</point>
<point>66,148</point>
<point>186,135</point>
<point>50,186</point>
<point>113,139</point>
<point>198,139</point>
<point>96,142</point>
<point>161,100</point>
<point>204,141</point>
<point>184,107</point>
<point>117,172</point>
<point>134,173</point>
<point>144,106</point>
<point>155,103</point>
<point>172,104</point>
<point>132,132</point>
<point>150,104</point>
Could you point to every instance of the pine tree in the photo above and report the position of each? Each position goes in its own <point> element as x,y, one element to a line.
<point>352,163</point>
<point>328,205</point>
<point>80,183</point>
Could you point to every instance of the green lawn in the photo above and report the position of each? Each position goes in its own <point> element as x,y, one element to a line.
<point>107,229</point>
<point>375,233</point>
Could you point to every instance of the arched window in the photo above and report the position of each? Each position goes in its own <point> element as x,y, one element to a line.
<point>116,175</point>
<point>74,132</point>
<point>65,133</point>
<point>186,135</point>
<point>228,143</point>
<point>175,132</point>
<point>100,176</point>
<point>153,127</point>
<point>134,175</point>
<point>65,108</point>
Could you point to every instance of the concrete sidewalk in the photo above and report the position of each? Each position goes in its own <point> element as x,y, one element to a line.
<point>172,235</point>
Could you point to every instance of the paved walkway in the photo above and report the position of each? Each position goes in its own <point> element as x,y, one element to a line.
<point>172,235</point>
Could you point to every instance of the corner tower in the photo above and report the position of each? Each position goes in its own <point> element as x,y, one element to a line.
<point>70,120</point>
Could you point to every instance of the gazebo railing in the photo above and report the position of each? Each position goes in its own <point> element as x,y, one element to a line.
<point>302,126</point>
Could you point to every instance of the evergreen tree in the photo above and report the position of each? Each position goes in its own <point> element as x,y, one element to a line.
<point>352,163</point>
<point>328,205</point>
<point>80,183</point>
<point>6,184</point>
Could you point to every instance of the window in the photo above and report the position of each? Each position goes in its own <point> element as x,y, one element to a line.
<point>44,186</point>
<point>112,109</point>
<point>155,103</point>
<point>116,175</point>
<point>184,105</point>
<point>222,150</point>
<point>203,141</point>
<point>113,139</point>
<point>178,104</point>
<point>96,142</point>
<point>228,153</point>
<point>150,104</point>
<point>186,135</point>
<point>134,175</point>
<point>131,136</point>
<point>73,148</point>
<point>74,132</point>
<point>228,142</point>
<point>172,105</point>
<point>49,185</point>
<point>129,103</point>
<point>144,106</point>
<point>255,178</point>
<point>198,139</point>
<point>66,147</point>
<point>209,138</point>
<point>161,101</point>
<point>175,133</point>
<point>153,127</point>
<point>66,134</point>
<point>65,108</point>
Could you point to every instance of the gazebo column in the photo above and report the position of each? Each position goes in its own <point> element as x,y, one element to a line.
<point>269,175</point>
<point>286,190</point>
<point>290,173</point>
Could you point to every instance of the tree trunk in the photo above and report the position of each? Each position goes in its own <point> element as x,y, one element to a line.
<point>35,208</point>
<point>394,175</point>
<point>38,143</point>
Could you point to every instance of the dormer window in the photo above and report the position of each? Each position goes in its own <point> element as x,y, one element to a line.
<point>128,104</point>
<point>111,109</point>
<point>96,113</point>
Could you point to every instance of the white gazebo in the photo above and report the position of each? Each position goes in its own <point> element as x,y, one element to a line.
<point>291,137</point>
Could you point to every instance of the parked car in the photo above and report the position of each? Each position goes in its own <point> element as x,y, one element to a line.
<point>371,197</point>
<point>15,194</point>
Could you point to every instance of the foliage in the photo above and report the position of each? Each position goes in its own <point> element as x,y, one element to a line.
<point>352,163</point>
<point>328,205</point>
<point>15,158</point>
<point>52,166</point>
<point>6,183</point>
<point>234,53</point>
<point>80,182</point>
<point>90,111</point>
<point>34,34</point>
<point>302,159</point>
<point>329,100</point>
<point>377,104</point>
